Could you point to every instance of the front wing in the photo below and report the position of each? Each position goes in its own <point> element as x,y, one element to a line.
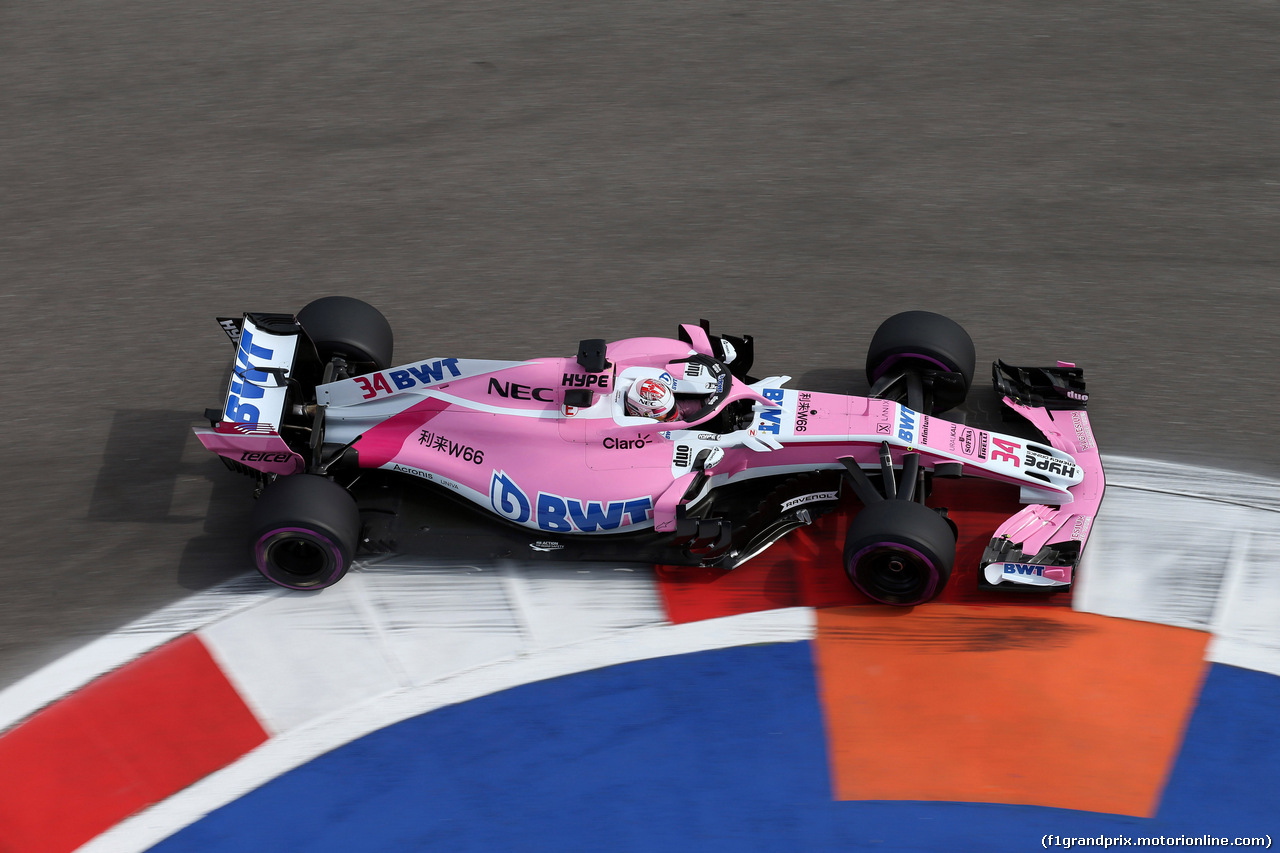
<point>1040,547</point>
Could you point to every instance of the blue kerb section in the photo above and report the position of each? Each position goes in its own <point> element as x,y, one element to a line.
<point>716,751</point>
<point>1230,761</point>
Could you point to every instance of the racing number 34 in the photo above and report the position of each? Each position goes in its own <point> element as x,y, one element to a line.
<point>1008,451</point>
<point>422,374</point>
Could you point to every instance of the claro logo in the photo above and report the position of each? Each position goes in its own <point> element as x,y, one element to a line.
<point>636,443</point>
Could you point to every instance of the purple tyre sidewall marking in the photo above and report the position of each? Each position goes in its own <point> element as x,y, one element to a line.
<point>894,359</point>
<point>260,553</point>
<point>929,591</point>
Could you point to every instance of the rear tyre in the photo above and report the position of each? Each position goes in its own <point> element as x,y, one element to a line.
<point>305,531</point>
<point>899,552</point>
<point>351,329</point>
<point>925,341</point>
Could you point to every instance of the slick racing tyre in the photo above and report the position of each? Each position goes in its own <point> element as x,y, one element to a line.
<point>899,552</point>
<point>354,330</point>
<point>927,341</point>
<point>305,530</point>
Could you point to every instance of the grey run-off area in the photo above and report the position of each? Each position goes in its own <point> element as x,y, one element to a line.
<point>1093,183</point>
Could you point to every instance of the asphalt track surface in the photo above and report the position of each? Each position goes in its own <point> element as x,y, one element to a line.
<point>1098,183</point>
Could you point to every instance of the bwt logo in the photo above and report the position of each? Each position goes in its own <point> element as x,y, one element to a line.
<point>561,514</point>
<point>425,373</point>
<point>242,379</point>
<point>565,515</point>
<point>507,498</point>
<point>771,419</point>
<point>1023,569</point>
<point>906,425</point>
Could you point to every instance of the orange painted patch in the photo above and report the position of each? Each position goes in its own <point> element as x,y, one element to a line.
<point>1021,705</point>
<point>132,738</point>
<point>806,567</point>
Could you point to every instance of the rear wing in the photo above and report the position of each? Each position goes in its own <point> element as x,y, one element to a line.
<point>1041,546</point>
<point>246,430</point>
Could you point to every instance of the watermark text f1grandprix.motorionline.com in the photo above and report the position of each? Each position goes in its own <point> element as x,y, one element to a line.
<point>1106,841</point>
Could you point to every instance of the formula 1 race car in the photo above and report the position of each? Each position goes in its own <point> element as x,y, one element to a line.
<point>351,454</point>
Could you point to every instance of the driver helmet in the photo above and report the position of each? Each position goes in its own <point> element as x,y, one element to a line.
<point>651,398</point>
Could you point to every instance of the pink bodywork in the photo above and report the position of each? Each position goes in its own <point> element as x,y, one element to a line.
<point>266,452</point>
<point>500,434</point>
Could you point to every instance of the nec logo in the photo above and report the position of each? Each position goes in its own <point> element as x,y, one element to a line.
<point>906,425</point>
<point>587,380</point>
<point>771,419</point>
<point>516,391</point>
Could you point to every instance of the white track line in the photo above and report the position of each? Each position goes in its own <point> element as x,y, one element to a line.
<point>72,671</point>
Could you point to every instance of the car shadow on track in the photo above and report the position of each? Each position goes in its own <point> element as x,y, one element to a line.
<point>155,473</point>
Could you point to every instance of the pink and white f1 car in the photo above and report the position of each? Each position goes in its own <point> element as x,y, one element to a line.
<point>353,455</point>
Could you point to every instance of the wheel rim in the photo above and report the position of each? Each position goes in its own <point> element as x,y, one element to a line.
<point>298,558</point>
<point>909,356</point>
<point>893,573</point>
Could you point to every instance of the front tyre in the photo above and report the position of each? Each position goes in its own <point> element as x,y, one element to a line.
<point>305,531</point>
<point>920,341</point>
<point>899,552</point>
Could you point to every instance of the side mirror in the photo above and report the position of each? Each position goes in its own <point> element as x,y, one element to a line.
<point>591,355</point>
